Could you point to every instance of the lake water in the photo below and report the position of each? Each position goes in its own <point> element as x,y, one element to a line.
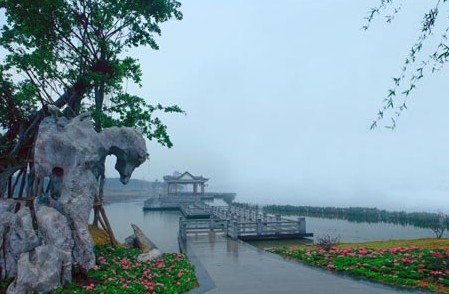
<point>162,226</point>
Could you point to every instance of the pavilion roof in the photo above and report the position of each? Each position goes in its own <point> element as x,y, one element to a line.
<point>185,177</point>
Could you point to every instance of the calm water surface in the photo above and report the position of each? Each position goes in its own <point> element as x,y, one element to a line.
<point>162,226</point>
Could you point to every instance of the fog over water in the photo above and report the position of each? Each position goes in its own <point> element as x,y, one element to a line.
<point>279,99</point>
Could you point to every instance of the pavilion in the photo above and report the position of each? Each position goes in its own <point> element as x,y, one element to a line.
<point>178,180</point>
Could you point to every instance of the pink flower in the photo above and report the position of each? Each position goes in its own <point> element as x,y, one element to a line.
<point>125,263</point>
<point>91,286</point>
<point>437,254</point>
<point>331,266</point>
<point>424,284</point>
<point>102,260</point>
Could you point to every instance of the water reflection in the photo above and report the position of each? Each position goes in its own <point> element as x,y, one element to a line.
<point>362,232</point>
<point>232,248</point>
<point>162,227</point>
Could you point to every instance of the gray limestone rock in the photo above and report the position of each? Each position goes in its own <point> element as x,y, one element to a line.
<point>141,240</point>
<point>54,230</point>
<point>8,256</point>
<point>72,154</point>
<point>7,205</point>
<point>27,233</point>
<point>130,241</point>
<point>16,237</point>
<point>148,256</point>
<point>39,270</point>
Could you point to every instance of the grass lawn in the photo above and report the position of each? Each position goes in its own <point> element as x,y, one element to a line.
<point>420,263</point>
<point>426,243</point>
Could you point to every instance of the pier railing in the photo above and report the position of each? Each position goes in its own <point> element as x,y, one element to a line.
<point>236,229</point>
<point>196,210</point>
<point>260,229</point>
<point>200,226</point>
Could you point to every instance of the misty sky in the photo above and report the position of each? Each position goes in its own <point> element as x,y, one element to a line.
<point>279,99</point>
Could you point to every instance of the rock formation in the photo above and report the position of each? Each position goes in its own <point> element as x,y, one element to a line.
<point>70,155</point>
<point>16,237</point>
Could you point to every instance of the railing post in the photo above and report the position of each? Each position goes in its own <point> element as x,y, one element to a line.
<point>259,226</point>
<point>184,230</point>
<point>302,225</point>
<point>180,227</point>
<point>278,224</point>
<point>235,230</point>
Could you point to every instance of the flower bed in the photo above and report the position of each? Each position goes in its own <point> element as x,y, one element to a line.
<point>412,267</point>
<point>118,271</point>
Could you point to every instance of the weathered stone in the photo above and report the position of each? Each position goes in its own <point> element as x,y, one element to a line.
<point>7,205</point>
<point>16,237</point>
<point>38,270</point>
<point>72,154</point>
<point>8,260</point>
<point>141,240</point>
<point>148,256</point>
<point>54,230</point>
<point>130,241</point>
<point>27,233</point>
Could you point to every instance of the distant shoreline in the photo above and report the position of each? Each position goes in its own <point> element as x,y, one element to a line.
<point>364,214</point>
<point>113,197</point>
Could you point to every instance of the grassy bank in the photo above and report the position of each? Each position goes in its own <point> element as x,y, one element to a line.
<point>430,243</point>
<point>421,263</point>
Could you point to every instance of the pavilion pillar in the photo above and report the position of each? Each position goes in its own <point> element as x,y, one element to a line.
<point>195,188</point>
<point>202,188</point>
<point>168,188</point>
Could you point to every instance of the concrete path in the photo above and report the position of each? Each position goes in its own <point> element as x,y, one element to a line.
<point>227,266</point>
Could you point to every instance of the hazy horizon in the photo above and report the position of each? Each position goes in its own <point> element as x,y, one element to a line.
<point>279,100</point>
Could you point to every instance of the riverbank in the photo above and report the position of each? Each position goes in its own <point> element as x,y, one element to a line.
<point>114,197</point>
<point>363,214</point>
<point>419,264</point>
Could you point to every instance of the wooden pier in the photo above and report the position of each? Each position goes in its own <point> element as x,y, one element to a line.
<point>245,223</point>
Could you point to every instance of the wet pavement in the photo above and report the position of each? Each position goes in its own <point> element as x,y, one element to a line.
<point>227,266</point>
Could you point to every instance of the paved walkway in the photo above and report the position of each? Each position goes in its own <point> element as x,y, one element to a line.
<point>227,266</point>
